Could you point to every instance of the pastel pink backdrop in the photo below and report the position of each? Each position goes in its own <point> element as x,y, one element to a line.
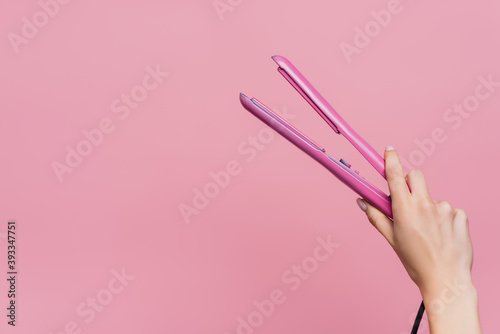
<point>120,207</point>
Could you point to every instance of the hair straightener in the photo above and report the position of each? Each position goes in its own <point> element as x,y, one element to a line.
<point>340,168</point>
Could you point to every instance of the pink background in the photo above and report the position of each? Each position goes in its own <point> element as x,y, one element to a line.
<point>119,208</point>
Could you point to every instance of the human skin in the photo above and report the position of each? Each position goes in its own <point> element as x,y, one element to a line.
<point>432,240</point>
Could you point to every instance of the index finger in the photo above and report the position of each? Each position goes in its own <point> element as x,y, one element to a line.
<point>395,175</point>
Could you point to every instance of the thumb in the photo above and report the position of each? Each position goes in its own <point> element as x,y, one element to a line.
<point>380,221</point>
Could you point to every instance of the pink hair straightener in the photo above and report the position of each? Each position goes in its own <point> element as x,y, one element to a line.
<point>340,168</point>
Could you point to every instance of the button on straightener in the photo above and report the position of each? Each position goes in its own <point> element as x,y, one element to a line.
<point>340,168</point>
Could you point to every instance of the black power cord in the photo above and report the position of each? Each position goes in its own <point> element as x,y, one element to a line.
<point>420,313</point>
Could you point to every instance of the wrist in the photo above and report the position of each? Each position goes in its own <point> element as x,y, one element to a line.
<point>453,310</point>
<point>446,287</point>
<point>450,296</point>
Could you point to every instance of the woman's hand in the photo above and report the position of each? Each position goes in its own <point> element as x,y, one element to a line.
<point>432,240</point>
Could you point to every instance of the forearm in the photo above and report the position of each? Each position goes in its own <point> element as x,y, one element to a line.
<point>453,308</point>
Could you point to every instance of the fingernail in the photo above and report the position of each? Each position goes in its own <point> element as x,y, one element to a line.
<point>361,204</point>
<point>389,148</point>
